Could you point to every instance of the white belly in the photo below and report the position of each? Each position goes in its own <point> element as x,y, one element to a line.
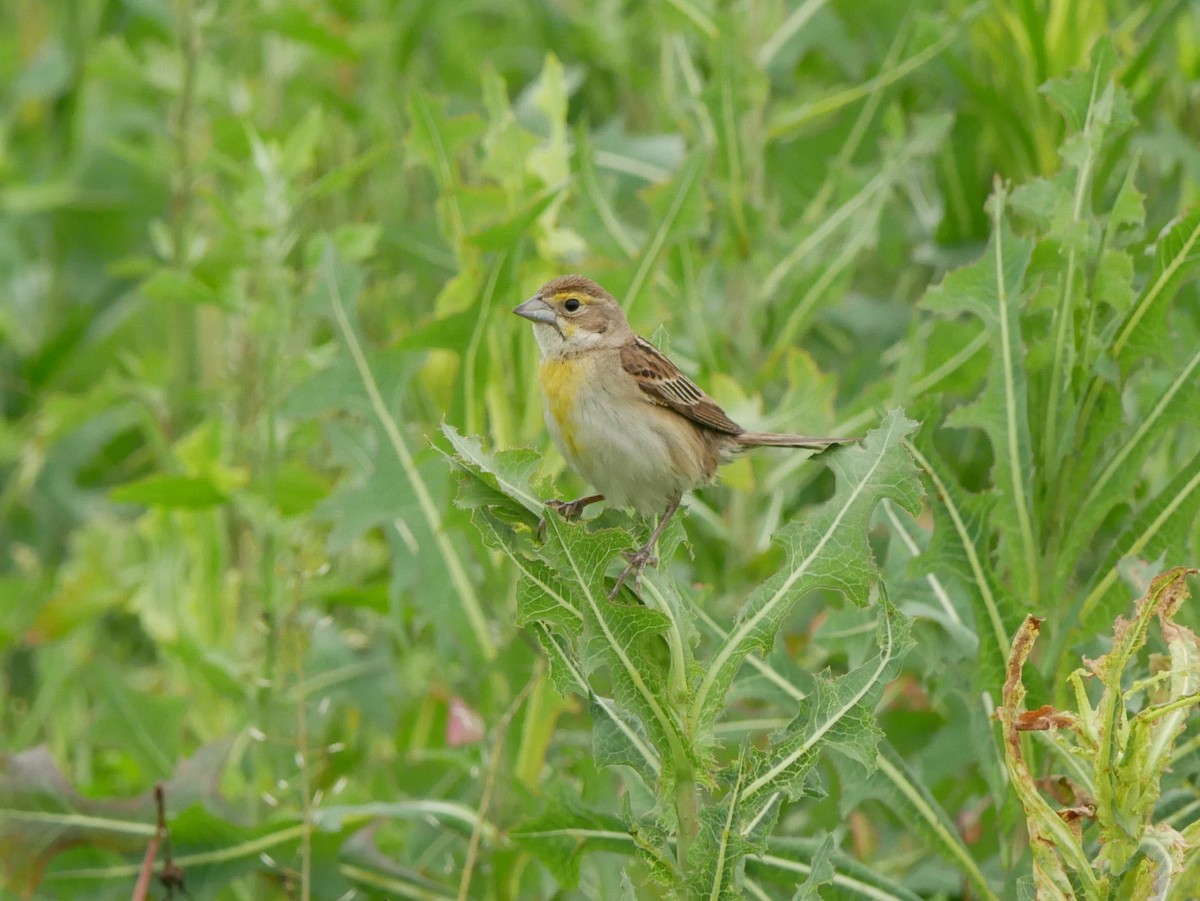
<point>640,461</point>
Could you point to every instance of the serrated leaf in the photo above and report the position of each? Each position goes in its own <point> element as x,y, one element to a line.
<point>1162,528</point>
<point>991,289</point>
<point>1141,332</point>
<point>837,714</point>
<point>560,836</point>
<point>563,585</point>
<point>1113,479</point>
<point>616,638</point>
<point>959,548</point>
<point>828,550</point>
<point>821,872</point>
<point>715,856</point>
<point>794,859</point>
<point>509,474</point>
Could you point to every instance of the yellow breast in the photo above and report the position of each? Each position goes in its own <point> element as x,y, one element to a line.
<point>562,380</point>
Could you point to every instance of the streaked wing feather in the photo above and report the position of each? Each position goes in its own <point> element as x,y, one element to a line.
<point>664,384</point>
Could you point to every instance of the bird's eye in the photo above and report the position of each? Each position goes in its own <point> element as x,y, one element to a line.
<point>572,305</point>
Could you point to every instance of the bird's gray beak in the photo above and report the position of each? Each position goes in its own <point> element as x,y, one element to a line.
<point>537,310</point>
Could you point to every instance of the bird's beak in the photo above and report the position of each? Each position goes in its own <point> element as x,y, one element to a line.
<point>537,310</point>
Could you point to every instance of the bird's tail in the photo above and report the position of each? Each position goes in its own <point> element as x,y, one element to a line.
<point>775,439</point>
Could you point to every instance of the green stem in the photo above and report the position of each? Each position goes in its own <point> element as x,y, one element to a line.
<point>686,804</point>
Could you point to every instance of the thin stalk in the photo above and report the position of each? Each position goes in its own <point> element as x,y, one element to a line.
<point>181,337</point>
<point>489,786</point>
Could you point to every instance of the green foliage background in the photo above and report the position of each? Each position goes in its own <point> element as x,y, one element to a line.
<point>254,255</point>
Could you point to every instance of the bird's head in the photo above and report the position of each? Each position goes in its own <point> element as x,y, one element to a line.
<point>572,313</point>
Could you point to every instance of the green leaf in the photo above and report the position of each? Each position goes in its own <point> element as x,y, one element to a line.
<point>991,290</point>
<point>959,550</point>
<point>679,209</point>
<point>828,550</point>
<point>896,783</point>
<point>821,872</point>
<point>1141,332</point>
<point>171,492</point>
<point>1161,529</point>
<point>1112,481</point>
<point>1093,97</point>
<point>791,860</point>
<point>173,286</point>
<point>838,714</point>
<point>561,835</point>
<point>509,474</point>
<point>551,163</point>
<point>563,586</point>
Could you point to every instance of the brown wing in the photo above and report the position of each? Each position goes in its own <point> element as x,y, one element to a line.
<point>664,384</point>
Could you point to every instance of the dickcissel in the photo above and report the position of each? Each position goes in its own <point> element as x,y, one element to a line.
<point>623,415</point>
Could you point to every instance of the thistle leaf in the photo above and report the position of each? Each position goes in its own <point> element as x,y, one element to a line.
<point>991,290</point>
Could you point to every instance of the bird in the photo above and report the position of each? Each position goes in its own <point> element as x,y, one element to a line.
<point>624,416</point>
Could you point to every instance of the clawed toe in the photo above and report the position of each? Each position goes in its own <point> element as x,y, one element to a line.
<point>638,561</point>
<point>569,510</point>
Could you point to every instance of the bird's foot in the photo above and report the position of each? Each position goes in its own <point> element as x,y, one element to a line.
<point>638,561</point>
<point>568,510</point>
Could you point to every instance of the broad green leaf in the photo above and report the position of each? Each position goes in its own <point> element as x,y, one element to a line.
<point>827,551</point>
<point>509,474</point>
<point>959,548</point>
<point>336,278</point>
<point>1141,332</point>
<point>564,586</point>
<point>992,290</point>
<point>170,492</point>
<point>1092,98</point>
<point>1161,529</point>
<point>1112,480</point>
<point>838,714</point>
<point>563,834</point>
<point>617,639</point>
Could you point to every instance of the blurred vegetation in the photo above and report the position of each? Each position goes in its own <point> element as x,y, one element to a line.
<point>253,256</point>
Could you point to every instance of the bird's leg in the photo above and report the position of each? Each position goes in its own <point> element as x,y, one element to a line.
<point>644,556</point>
<point>568,510</point>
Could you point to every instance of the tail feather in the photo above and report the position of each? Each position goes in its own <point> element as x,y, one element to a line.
<point>775,439</point>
